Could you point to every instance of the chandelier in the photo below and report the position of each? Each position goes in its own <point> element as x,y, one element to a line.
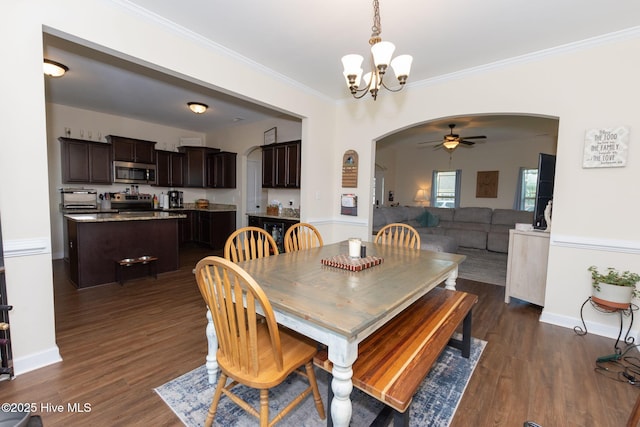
<point>381,52</point>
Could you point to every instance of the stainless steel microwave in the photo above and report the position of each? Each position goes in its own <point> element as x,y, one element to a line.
<point>134,173</point>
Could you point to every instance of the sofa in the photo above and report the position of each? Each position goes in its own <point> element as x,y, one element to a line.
<point>444,229</point>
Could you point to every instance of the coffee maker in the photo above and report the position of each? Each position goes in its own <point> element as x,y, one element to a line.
<point>175,199</point>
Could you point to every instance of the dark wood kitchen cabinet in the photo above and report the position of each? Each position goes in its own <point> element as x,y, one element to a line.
<point>196,164</point>
<point>85,161</point>
<point>215,227</point>
<point>281,165</point>
<point>169,169</point>
<point>132,150</point>
<point>188,227</point>
<point>221,170</point>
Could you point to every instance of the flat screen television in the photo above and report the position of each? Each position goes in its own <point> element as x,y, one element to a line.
<point>544,188</point>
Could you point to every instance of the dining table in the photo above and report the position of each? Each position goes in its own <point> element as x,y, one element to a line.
<point>339,307</point>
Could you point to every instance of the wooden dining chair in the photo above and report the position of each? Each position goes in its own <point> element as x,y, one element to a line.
<point>249,243</point>
<point>302,236</point>
<point>398,234</point>
<point>255,354</point>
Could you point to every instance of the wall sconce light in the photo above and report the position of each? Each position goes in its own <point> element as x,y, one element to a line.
<point>197,107</point>
<point>421,196</point>
<point>53,68</point>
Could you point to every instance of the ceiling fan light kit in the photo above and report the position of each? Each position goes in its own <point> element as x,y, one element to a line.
<point>451,141</point>
<point>381,54</point>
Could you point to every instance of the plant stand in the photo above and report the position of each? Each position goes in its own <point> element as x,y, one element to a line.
<point>623,312</point>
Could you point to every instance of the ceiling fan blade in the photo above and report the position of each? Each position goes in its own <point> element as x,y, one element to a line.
<point>476,137</point>
<point>462,141</point>
<point>430,142</point>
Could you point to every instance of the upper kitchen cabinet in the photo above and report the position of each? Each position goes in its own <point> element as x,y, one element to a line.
<point>132,150</point>
<point>170,169</point>
<point>281,165</point>
<point>221,170</point>
<point>85,161</point>
<point>196,162</point>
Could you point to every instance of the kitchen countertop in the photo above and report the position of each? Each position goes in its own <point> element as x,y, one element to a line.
<point>129,216</point>
<point>188,207</point>
<point>264,215</point>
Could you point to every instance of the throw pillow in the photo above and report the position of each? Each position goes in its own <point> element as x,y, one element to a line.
<point>432,220</point>
<point>427,219</point>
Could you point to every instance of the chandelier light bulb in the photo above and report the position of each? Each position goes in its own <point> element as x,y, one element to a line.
<point>382,52</point>
<point>402,67</point>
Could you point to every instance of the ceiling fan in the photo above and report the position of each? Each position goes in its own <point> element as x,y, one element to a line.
<point>452,140</point>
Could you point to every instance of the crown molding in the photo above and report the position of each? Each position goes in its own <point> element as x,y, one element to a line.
<point>629,33</point>
<point>215,47</point>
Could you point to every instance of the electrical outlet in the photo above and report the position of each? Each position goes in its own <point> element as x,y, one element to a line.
<point>290,202</point>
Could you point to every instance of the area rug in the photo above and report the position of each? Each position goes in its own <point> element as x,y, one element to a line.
<point>483,266</point>
<point>435,403</point>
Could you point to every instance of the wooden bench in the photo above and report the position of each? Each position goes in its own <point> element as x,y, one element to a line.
<point>393,362</point>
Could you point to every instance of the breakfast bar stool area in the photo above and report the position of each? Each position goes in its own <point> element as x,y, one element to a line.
<point>122,264</point>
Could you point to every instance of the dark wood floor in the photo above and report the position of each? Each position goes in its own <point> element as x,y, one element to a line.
<point>118,343</point>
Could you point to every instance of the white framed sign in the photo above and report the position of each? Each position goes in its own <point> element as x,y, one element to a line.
<point>606,147</point>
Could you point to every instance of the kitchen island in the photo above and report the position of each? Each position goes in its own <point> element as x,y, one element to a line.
<point>96,242</point>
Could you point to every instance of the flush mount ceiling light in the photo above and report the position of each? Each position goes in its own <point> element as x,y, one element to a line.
<point>197,107</point>
<point>381,53</point>
<point>53,68</point>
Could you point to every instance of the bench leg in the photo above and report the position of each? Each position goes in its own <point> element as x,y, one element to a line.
<point>466,336</point>
<point>464,345</point>
<point>401,419</point>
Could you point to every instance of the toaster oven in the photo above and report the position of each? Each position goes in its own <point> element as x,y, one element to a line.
<point>79,198</point>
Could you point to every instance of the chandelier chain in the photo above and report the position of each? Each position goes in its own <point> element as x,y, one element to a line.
<point>376,29</point>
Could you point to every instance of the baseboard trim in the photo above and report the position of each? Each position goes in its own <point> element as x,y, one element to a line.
<point>22,365</point>
<point>592,327</point>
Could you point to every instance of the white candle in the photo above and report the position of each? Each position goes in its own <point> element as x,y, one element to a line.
<point>354,247</point>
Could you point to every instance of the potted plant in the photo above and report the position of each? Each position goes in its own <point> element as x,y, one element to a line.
<point>613,288</point>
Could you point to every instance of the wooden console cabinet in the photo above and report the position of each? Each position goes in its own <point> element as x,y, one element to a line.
<point>527,266</point>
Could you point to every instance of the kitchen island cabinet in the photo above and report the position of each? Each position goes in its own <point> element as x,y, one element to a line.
<point>97,241</point>
<point>207,227</point>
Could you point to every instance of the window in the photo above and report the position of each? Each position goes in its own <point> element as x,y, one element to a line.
<point>445,189</point>
<point>526,197</point>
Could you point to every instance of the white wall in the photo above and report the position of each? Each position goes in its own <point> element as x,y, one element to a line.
<point>410,168</point>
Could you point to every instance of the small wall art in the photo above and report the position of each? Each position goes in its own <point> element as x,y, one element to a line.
<point>487,184</point>
<point>606,147</point>
<point>350,169</point>
<point>270,136</point>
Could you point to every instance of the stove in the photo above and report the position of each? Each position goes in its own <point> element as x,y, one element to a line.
<point>131,202</point>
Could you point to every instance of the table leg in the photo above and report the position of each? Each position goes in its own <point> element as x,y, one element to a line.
<point>450,283</point>
<point>341,404</point>
<point>212,348</point>
<point>342,354</point>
